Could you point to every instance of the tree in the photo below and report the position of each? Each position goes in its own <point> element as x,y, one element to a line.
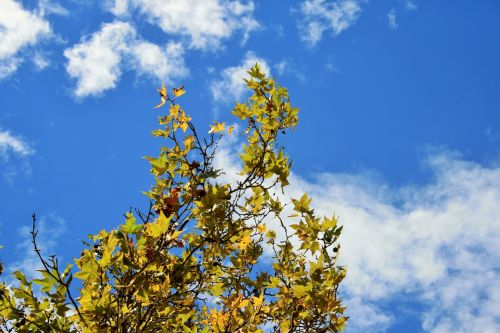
<point>196,261</point>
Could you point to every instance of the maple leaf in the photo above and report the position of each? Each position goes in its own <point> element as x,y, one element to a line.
<point>163,95</point>
<point>162,91</point>
<point>217,127</point>
<point>179,91</point>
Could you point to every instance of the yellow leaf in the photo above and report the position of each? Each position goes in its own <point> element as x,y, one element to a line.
<point>179,91</point>
<point>188,143</point>
<point>176,234</point>
<point>217,127</point>
<point>285,326</point>
<point>160,132</point>
<point>163,101</point>
<point>244,303</point>
<point>230,130</point>
<point>244,242</point>
<point>174,111</point>
<point>159,227</point>
<point>162,91</point>
<point>257,301</point>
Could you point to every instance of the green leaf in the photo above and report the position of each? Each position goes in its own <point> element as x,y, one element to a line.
<point>46,285</point>
<point>130,226</point>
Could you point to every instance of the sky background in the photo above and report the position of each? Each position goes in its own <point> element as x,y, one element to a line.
<point>399,131</point>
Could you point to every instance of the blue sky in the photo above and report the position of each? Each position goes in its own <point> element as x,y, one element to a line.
<point>399,131</point>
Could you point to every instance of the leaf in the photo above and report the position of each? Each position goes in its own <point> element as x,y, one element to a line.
<point>163,91</point>
<point>174,110</point>
<point>257,301</point>
<point>314,247</point>
<point>159,165</point>
<point>184,317</point>
<point>88,268</point>
<point>188,143</point>
<point>284,326</point>
<point>179,91</point>
<point>241,111</point>
<point>300,290</point>
<point>131,227</point>
<point>217,127</point>
<point>160,132</point>
<point>217,289</point>
<point>163,101</point>
<point>163,96</point>
<point>160,226</point>
<point>244,242</point>
<point>107,250</point>
<point>46,283</point>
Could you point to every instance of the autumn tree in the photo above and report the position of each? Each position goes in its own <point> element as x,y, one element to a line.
<point>208,255</point>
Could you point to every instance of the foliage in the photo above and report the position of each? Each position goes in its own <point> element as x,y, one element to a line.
<point>196,260</point>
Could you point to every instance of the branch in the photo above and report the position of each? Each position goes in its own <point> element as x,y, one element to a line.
<point>48,268</point>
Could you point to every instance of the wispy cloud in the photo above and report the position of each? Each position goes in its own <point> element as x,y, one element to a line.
<point>204,23</point>
<point>230,86</point>
<point>13,144</point>
<point>438,243</point>
<point>410,5</point>
<point>14,154</point>
<point>97,61</point>
<point>319,16</point>
<point>52,7</point>
<point>491,134</point>
<point>40,61</point>
<point>50,229</point>
<point>391,19</point>
<point>19,30</point>
<point>282,66</point>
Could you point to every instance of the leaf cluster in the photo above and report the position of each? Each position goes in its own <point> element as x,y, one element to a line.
<point>206,256</point>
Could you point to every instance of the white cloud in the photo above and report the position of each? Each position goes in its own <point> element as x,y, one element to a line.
<point>366,317</point>
<point>442,244</point>
<point>96,62</point>
<point>391,17</point>
<point>40,61</point>
<point>8,67</point>
<point>10,143</point>
<point>231,87</point>
<point>19,29</point>
<point>438,243</point>
<point>117,7</point>
<point>152,60</point>
<point>14,153</point>
<point>203,22</point>
<point>51,7</point>
<point>322,15</point>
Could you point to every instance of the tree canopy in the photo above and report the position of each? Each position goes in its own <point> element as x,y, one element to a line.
<point>209,254</point>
